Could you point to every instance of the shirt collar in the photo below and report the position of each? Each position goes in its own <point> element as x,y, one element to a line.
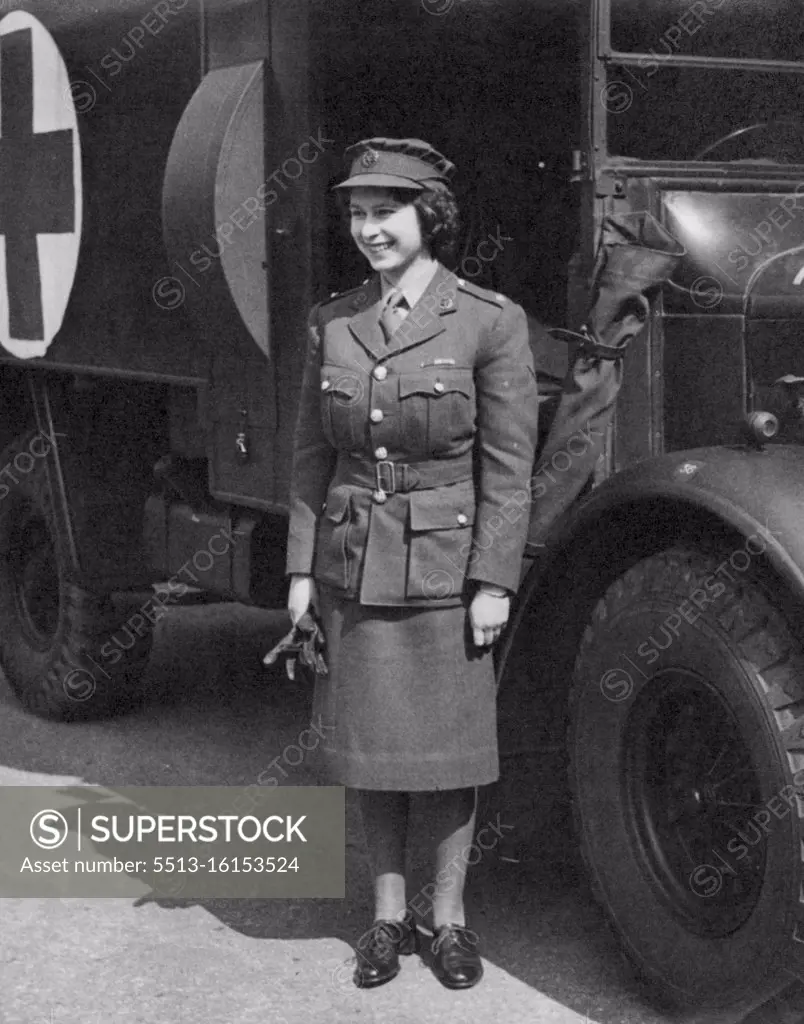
<point>412,288</point>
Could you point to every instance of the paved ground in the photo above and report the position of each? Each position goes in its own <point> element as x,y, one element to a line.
<point>217,717</point>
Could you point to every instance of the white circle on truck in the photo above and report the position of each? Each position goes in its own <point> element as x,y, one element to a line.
<point>40,186</point>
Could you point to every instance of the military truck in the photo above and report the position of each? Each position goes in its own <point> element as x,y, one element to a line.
<point>167,225</point>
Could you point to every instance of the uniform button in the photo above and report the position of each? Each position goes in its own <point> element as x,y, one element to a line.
<point>462,520</point>
<point>380,372</point>
<point>325,385</point>
<point>438,386</point>
<point>380,497</point>
<point>376,415</point>
<point>380,453</point>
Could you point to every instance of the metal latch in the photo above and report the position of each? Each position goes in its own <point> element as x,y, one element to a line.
<point>580,165</point>
<point>242,452</point>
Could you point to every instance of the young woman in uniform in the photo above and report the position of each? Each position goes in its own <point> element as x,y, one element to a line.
<point>413,453</point>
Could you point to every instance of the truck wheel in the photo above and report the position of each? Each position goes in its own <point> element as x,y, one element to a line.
<point>686,736</point>
<point>52,630</point>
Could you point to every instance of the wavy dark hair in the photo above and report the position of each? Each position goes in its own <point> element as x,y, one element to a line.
<point>439,218</point>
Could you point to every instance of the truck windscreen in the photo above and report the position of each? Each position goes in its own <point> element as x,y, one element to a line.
<point>722,114</point>
<point>705,111</point>
<point>744,29</point>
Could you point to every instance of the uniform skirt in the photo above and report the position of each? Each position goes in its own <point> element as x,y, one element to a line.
<point>409,702</point>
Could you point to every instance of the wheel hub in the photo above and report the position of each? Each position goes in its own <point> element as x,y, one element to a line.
<point>34,571</point>
<point>691,790</point>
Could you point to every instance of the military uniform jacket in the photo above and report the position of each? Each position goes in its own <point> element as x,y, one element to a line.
<point>412,457</point>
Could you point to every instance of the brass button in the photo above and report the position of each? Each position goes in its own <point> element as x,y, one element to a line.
<point>380,497</point>
<point>381,453</point>
<point>376,415</point>
<point>380,372</point>
<point>438,386</point>
<point>325,385</point>
<point>462,519</point>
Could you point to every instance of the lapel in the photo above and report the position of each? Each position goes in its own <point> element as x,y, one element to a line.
<point>365,323</point>
<point>423,322</point>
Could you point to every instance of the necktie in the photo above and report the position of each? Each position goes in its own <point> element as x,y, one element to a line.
<point>391,316</point>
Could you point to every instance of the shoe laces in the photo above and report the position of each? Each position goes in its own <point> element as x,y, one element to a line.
<point>382,938</point>
<point>465,938</point>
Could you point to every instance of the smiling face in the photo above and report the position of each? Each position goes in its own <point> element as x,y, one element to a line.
<point>386,230</point>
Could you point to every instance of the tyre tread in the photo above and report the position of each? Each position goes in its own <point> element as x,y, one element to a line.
<point>86,621</point>
<point>763,639</point>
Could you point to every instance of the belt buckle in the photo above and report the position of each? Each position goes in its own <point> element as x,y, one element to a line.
<point>387,467</point>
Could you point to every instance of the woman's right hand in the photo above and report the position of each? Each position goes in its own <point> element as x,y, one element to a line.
<point>302,597</point>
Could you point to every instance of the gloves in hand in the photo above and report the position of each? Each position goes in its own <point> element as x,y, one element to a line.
<point>304,643</point>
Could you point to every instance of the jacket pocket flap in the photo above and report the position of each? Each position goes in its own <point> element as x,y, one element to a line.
<point>442,508</point>
<point>337,505</point>
<point>437,382</point>
<point>338,380</point>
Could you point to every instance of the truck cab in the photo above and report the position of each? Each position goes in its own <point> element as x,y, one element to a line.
<point>657,644</point>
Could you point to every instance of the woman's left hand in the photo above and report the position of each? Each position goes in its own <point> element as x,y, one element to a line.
<point>488,615</point>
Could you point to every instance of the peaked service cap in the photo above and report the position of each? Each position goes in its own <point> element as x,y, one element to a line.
<point>396,163</point>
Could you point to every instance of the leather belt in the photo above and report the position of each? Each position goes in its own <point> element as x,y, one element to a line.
<point>400,477</point>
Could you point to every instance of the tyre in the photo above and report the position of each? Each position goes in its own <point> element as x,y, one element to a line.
<point>686,749</point>
<point>56,637</point>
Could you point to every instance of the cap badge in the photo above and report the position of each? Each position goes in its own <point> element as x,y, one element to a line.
<point>369,159</point>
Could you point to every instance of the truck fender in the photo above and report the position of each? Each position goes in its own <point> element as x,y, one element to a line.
<point>749,502</point>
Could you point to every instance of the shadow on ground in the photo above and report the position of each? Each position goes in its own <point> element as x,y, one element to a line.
<point>216,716</point>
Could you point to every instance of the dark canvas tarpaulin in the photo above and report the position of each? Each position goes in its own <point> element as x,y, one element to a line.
<point>636,254</point>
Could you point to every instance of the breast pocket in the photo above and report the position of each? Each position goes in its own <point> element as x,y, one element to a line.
<point>440,541</point>
<point>436,409</point>
<point>343,406</point>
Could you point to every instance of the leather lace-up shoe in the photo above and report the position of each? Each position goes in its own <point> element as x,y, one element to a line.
<point>456,961</point>
<point>379,948</point>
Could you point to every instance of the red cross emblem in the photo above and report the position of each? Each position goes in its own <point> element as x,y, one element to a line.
<point>40,180</point>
